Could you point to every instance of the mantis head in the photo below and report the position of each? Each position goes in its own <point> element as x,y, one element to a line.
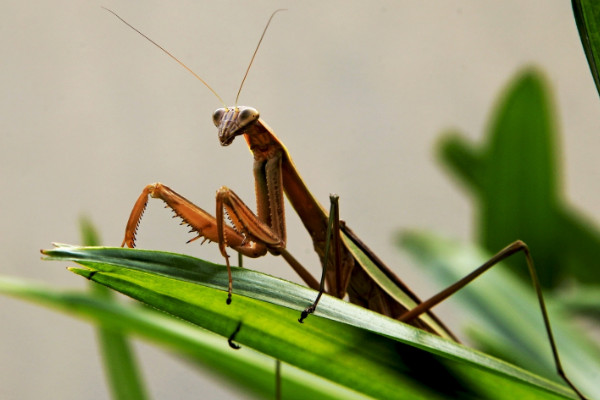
<point>232,122</point>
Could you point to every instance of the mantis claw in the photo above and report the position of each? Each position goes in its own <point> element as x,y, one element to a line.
<point>307,311</point>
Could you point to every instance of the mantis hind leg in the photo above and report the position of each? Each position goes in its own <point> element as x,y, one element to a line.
<point>515,247</point>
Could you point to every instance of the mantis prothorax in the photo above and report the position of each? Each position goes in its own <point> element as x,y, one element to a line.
<point>255,234</point>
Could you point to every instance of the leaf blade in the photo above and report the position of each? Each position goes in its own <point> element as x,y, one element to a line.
<point>587,18</point>
<point>251,371</point>
<point>120,366</point>
<point>507,311</point>
<point>373,366</point>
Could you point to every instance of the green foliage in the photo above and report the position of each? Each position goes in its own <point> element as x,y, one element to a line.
<point>247,369</point>
<point>397,293</point>
<point>587,17</point>
<point>514,178</point>
<point>120,366</point>
<point>349,345</point>
<point>515,182</point>
<point>504,315</point>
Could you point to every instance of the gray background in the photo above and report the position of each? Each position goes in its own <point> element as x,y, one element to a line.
<point>359,92</point>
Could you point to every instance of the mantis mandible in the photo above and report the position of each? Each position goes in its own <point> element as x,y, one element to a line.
<point>339,249</point>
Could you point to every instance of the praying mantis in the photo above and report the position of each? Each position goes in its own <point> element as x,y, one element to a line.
<point>342,254</point>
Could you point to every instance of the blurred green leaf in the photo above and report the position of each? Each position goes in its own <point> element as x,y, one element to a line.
<point>250,371</point>
<point>585,300</point>
<point>89,233</point>
<point>352,346</point>
<point>587,18</point>
<point>515,180</point>
<point>506,314</point>
<point>462,156</point>
<point>120,366</point>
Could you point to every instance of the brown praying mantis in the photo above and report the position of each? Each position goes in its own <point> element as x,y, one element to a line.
<point>342,254</point>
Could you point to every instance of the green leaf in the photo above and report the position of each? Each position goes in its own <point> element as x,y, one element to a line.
<point>120,366</point>
<point>579,247</point>
<point>585,300</point>
<point>520,188</point>
<point>458,153</point>
<point>587,17</point>
<point>89,233</point>
<point>344,343</point>
<point>251,371</point>
<point>506,314</point>
<point>406,299</point>
<point>515,179</point>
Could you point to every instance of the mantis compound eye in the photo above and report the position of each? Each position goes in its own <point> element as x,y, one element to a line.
<point>247,115</point>
<point>218,116</point>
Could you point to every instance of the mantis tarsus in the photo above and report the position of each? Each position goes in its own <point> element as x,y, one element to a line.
<point>254,235</point>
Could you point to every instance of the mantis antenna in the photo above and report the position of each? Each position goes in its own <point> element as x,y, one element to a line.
<point>175,58</point>
<point>256,51</point>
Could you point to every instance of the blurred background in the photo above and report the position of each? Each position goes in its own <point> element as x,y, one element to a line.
<point>358,92</point>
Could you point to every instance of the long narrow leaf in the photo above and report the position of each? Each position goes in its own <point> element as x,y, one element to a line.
<point>507,313</point>
<point>251,371</point>
<point>515,177</point>
<point>587,17</point>
<point>120,366</point>
<point>369,353</point>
